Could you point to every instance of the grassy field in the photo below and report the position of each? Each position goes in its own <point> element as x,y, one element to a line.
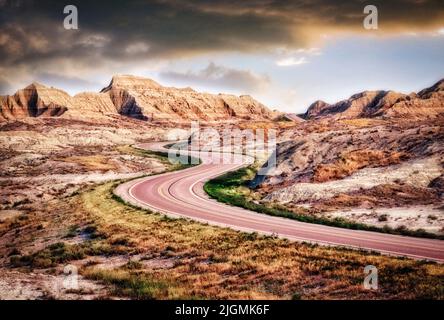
<point>176,258</point>
<point>164,258</point>
<point>232,188</point>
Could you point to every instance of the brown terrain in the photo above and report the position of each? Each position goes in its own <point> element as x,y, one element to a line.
<point>427,103</point>
<point>376,158</point>
<point>134,97</point>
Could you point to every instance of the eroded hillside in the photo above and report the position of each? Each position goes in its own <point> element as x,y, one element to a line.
<point>359,169</point>
<point>427,103</point>
<point>133,97</point>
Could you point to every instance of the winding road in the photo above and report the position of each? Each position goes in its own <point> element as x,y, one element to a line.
<point>181,194</point>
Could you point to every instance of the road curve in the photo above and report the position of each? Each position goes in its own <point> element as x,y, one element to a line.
<point>181,194</point>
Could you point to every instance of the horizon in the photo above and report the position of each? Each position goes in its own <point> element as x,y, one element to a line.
<point>72,94</point>
<point>284,54</point>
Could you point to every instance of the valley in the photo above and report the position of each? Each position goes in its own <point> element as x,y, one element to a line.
<point>341,165</point>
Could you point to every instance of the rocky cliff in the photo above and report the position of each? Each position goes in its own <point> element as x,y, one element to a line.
<point>369,104</point>
<point>33,101</point>
<point>134,97</point>
<point>139,98</point>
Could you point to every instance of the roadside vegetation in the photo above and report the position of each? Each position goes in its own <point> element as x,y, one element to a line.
<point>140,254</point>
<point>161,156</point>
<point>233,188</point>
<point>178,258</point>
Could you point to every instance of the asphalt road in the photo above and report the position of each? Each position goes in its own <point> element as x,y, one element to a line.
<point>181,194</point>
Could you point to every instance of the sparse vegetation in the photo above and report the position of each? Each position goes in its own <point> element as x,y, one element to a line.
<point>350,162</point>
<point>72,231</point>
<point>135,285</point>
<point>232,188</point>
<point>201,261</point>
<point>211,262</point>
<point>161,156</point>
<point>165,258</point>
<point>61,252</point>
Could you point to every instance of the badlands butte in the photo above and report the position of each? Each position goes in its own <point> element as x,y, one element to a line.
<point>373,160</point>
<point>133,97</point>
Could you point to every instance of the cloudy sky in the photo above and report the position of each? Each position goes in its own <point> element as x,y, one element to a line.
<point>287,54</point>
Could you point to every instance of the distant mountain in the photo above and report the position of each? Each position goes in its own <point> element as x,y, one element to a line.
<point>134,97</point>
<point>369,104</point>
<point>289,117</point>
<point>139,97</point>
<point>33,101</point>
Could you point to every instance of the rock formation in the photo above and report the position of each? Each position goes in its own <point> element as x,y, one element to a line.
<point>134,97</point>
<point>139,97</point>
<point>369,104</point>
<point>33,101</point>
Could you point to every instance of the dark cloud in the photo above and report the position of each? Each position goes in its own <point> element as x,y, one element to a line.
<point>33,29</point>
<point>221,77</point>
<point>32,33</point>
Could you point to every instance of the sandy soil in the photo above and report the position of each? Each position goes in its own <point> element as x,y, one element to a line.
<point>429,218</point>
<point>16,285</point>
<point>418,173</point>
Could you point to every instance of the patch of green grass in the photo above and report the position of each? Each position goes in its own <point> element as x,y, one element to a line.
<point>133,265</point>
<point>161,156</point>
<point>176,165</point>
<point>61,252</point>
<point>230,188</point>
<point>50,256</point>
<point>122,201</point>
<point>72,231</point>
<point>135,285</point>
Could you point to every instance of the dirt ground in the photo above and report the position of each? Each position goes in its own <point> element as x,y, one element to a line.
<point>57,211</point>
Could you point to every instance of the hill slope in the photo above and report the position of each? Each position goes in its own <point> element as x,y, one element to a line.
<point>427,103</point>
<point>134,97</point>
<point>140,98</point>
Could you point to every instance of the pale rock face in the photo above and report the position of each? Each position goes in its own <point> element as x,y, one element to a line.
<point>139,98</point>
<point>91,102</point>
<point>133,82</point>
<point>135,97</point>
<point>419,173</point>
<point>427,103</point>
<point>34,100</point>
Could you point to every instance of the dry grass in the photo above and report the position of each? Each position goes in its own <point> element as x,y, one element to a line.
<point>92,163</point>
<point>136,285</point>
<point>364,122</point>
<point>350,162</point>
<point>212,262</point>
<point>176,258</point>
<point>252,125</point>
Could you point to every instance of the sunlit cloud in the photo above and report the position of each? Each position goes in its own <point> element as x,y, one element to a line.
<point>291,61</point>
<point>295,57</point>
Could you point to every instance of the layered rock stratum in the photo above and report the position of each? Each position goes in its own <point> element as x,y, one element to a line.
<point>426,103</point>
<point>134,97</point>
<point>33,101</point>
